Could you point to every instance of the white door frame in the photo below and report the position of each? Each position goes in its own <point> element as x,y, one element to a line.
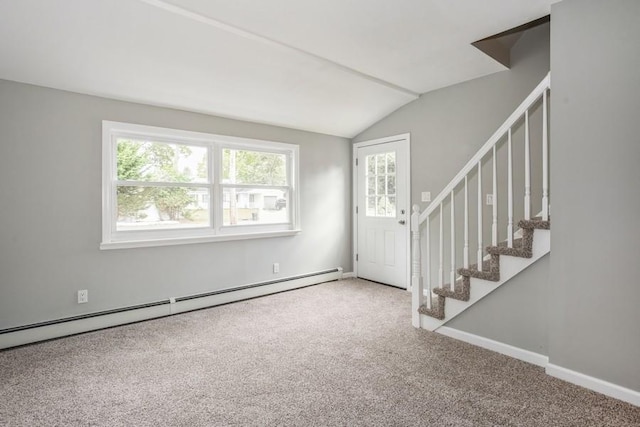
<point>406,138</point>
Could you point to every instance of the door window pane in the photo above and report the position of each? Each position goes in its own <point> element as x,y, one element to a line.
<point>381,183</point>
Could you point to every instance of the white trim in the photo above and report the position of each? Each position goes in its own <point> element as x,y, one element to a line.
<point>607,388</point>
<point>198,17</point>
<point>349,275</point>
<point>195,239</point>
<point>27,336</point>
<point>595,384</point>
<point>497,346</point>
<point>354,199</point>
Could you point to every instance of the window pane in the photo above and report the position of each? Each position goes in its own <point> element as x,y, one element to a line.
<point>391,162</point>
<point>253,167</point>
<point>371,206</point>
<point>154,208</point>
<point>380,160</point>
<point>371,186</point>
<point>391,185</point>
<point>246,206</point>
<point>161,162</point>
<point>391,206</point>
<point>381,185</point>
<point>371,164</point>
<point>381,206</point>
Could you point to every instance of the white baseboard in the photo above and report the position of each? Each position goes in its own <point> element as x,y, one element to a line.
<point>577,378</point>
<point>595,384</point>
<point>502,348</point>
<point>348,275</point>
<point>165,308</point>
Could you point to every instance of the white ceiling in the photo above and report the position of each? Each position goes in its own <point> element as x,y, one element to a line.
<point>329,66</point>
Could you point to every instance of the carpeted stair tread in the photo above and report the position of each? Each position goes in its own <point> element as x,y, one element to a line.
<point>461,290</point>
<point>437,308</point>
<point>534,223</point>
<point>517,243</point>
<point>521,247</point>
<point>490,269</point>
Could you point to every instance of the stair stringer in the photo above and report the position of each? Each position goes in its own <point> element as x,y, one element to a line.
<point>510,267</point>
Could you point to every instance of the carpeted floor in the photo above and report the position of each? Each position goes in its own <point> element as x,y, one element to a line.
<point>341,353</point>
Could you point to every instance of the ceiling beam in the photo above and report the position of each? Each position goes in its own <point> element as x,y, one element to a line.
<point>195,16</point>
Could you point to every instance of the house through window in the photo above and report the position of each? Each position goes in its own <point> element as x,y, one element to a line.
<point>165,186</point>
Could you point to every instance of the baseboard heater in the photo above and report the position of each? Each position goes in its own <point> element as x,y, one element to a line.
<point>26,334</point>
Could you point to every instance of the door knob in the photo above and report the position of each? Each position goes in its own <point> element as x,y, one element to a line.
<point>401,222</point>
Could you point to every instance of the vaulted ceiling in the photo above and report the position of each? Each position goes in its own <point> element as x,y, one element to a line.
<point>329,66</point>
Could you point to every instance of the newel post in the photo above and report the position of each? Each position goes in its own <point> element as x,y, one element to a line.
<point>417,290</point>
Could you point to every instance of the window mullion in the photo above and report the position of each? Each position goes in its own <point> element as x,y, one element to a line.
<point>160,184</point>
<point>214,179</point>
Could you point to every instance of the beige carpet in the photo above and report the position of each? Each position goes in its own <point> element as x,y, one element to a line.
<point>341,353</point>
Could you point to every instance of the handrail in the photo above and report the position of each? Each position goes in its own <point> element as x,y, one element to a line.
<point>513,118</point>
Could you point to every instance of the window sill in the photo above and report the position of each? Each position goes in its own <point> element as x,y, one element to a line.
<point>191,240</point>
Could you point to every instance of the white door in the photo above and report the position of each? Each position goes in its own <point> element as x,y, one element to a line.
<point>383,212</point>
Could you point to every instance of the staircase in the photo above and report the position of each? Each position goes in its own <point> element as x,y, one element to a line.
<point>435,300</point>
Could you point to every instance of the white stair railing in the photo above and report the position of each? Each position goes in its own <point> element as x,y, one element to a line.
<point>422,292</point>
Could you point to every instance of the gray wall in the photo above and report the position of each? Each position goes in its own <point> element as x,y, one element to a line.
<point>447,127</point>
<point>515,313</point>
<point>594,319</point>
<point>50,216</point>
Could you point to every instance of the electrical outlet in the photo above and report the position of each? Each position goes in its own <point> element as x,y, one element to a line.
<point>276,268</point>
<point>489,199</point>
<point>426,196</point>
<point>83,296</point>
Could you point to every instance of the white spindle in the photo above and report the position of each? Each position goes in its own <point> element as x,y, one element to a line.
<point>416,282</point>
<point>480,250</point>
<point>545,160</point>
<point>527,169</point>
<point>441,260</point>
<point>509,193</point>
<point>494,224</point>
<point>452,275</point>
<point>465,254</point>
<point>428,255</point>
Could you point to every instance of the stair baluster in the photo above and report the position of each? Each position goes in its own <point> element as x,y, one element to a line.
<point>417,291</point>
<point>494,224</point>
<point>545,160</point>
<point>509,193</point>
<point>452,274</point>
<point>480,248</point>
<point>527,169</point>
<point>465,254</point>
<point>441,270</point>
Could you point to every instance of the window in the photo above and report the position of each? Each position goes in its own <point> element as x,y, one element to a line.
<point>381,184</point>
<point>164,186</point>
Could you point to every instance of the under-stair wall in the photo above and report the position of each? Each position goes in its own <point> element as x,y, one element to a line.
<point>497,318</point>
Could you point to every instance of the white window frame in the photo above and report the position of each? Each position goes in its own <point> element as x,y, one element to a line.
<point>216,231</point>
